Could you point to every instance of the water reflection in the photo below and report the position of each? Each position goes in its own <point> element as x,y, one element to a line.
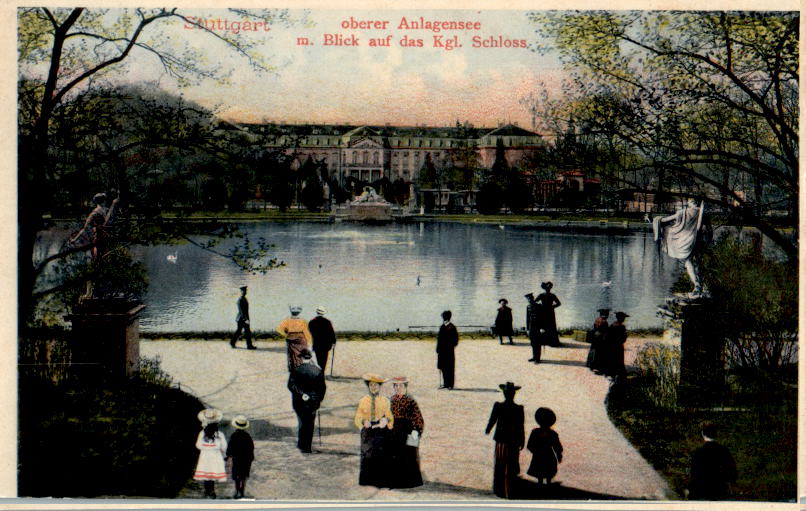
<point>392,277</point>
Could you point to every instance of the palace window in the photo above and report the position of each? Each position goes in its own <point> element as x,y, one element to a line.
<point>375,158</point>
<point>365,157</point>
<point>355,157</point>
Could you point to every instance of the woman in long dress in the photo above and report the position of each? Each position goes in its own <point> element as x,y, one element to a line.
<point>407,430</point>
<point>212,446</point>
<point>297,336</point>
<point>374,418</point>
<point>614,340</point>
<point>507,417</point>
<point>596,338</point>
<point>548,324</point>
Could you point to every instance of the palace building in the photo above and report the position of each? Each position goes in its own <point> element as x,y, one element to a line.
<point>369,153</point>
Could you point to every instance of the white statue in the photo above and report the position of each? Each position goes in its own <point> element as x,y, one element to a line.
<point>369,195</point>
<point>679,234</point>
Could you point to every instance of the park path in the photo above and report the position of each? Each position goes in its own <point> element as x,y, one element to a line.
<point>456,456</point>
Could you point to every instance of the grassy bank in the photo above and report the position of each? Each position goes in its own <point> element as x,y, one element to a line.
<point>428,335</point>
<point>85,435</point>
<point>759,429</point>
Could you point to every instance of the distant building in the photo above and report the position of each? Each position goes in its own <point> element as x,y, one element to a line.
<point>369,153</point>
<point>569,189</point>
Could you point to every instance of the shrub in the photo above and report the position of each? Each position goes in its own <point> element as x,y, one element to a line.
<point>659,366</point>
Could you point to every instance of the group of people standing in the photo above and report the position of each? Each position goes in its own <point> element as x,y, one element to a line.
<point>390,435</point>
<point>215,451</point>
<point>541,323</point>
<point>606,354</point>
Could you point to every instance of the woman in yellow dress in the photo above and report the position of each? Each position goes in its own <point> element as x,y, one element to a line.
<point>375,420</point>
<point>297,336</point>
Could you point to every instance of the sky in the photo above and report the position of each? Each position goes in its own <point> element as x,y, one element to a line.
<point>398,85</point>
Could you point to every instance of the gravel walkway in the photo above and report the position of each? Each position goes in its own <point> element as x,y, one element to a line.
<point>456,456</point>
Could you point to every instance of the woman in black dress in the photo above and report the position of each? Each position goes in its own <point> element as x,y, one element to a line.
<point>614,341</point>
<point>507,417</point>
<point>406,433</point>
<point>547,302</point>
<point>503,322</point>
<point>544,443</point>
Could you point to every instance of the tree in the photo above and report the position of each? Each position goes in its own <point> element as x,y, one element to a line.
<point>311,195</point>
<point>64,54</point>
<point>705,100</point>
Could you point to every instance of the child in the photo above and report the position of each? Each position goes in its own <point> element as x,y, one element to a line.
<point>545,446</point>
<point>241,450</point>
<point>211,445</point>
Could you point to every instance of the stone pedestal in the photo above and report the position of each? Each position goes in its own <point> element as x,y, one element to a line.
<point>106,336</point>
<point>702,355</point>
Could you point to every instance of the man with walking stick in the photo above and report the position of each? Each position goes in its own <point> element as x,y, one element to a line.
<point>324,338</point>
<point>307,385</point>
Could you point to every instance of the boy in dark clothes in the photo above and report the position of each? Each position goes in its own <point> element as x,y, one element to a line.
<point>544,443</point>
<point>241,450</point>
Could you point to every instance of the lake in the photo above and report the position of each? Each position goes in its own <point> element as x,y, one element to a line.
<point>402,276</point>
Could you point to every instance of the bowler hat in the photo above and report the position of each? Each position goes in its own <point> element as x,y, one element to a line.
<point>604,312</point>
<point>622,315</point>
<point>503,300</point>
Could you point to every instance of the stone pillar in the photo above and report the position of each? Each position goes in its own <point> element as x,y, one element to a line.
<point>702,355</point>
<point>106,335</point>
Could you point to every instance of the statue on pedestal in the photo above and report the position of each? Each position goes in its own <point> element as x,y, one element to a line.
<point>680,234</point>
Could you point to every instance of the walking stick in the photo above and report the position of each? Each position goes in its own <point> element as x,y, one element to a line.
<point>333,360</point>
<point>319,429</point>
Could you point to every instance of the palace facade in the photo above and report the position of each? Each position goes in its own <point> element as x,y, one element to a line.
<point>369,153</point>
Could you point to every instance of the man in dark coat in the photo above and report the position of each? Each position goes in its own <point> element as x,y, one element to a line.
<point>503,322</point>
<point>243,321</point>
<point>447,339</point>
<point>323,336</point>
<point>712,469</point>
<point>507,418</point>
<point>533,327</point>
<point>307,385</point>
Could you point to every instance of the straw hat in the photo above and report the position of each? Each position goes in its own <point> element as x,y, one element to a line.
<point>320,311</point>
<point>240,422</point>
<point>399,379</point>
<point>372,377</point>
<point>209,415</point>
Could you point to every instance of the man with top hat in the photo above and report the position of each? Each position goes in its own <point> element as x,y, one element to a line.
<point>307,385</point>
<point>615,338</point>
<point>507,418</point>
<point>241,450</point>
<point>297,336</point>
<point>447,340</point>
<point>373,416</point>
<point>242,319</point>
<point>323,336</point>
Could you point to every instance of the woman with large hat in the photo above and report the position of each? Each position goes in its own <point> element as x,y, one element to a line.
<point>614,344</point>
<point>297,336</point>
<point>507,417</point>
<point>503,321</point>
<point>596,338</point>
<point>374,418</point>
<point>406,433</point>
<point>547,302</point>
<point>212,448</point>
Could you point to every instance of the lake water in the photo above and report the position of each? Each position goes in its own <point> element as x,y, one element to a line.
<point>402,276</point>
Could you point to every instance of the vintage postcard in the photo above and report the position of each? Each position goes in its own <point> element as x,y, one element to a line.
<point>439,253</point>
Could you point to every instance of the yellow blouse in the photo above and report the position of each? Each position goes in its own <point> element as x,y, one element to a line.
<point>294,325</point>
<point>382,409</point>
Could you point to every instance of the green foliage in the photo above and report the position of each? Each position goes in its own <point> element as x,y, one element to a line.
<point>490,198</point>
<point>108,438</point>
<point>763,440</point>
<point>702,103</point>
<point>759,299</point>
<point>659,367</point>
